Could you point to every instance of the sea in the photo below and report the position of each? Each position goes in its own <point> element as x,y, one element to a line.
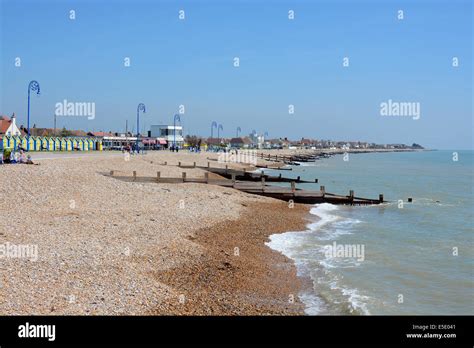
<point>397,258</point>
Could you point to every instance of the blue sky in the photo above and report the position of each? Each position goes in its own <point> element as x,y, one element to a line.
<point>282,62</point>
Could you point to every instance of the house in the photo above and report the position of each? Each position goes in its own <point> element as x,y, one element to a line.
<point>8,126</point>
<point>306,143</point>
<point>213,141</point>
<point>240,143</point>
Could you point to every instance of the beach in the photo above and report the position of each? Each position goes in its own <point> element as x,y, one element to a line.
<point>108,247</point>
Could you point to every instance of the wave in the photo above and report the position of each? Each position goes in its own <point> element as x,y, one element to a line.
<point>308,250</point>
<point>312,164</point>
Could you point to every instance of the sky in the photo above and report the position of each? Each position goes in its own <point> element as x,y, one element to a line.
<point>283,62</point>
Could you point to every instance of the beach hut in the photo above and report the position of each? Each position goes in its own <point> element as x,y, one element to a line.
<point>44,144</point>
<point>37,142</point>
<point>57,144</point>
<point>6,142</point>
<point>51,146</point>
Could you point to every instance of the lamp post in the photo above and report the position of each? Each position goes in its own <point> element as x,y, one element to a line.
<point>35,87</point>
<point>176,117</point>
<point>140,107</point>
<point>218,133</point>
<point>213,124</point>
<point>239,130</point>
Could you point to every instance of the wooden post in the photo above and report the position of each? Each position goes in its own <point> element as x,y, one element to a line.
<point>279,176</point>
<point>381,198</point>
<point>184,176</point>
<point>226,168</point>
<point>111,173</point>
<point>208,164</point>
<point>166,163</point>
<point>351,196</point>
<point>293,187</point>
<point>194,164</point>
<point>206,176</point>
<point>158,175</point>
<point>233,179</point>
<point>323,190</point>
<point>179,164</point>
<point>298,179</point>
<point>134,175</point>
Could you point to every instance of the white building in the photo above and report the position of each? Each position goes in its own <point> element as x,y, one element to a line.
<point>8,126</point>
<point>167,133</point>
<point>257,140</point>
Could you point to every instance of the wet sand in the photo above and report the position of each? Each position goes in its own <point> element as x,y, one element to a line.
<point>236,274</point>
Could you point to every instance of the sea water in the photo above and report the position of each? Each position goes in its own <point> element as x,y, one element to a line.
<point>418,257</point>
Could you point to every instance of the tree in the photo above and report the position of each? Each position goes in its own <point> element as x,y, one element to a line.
<point>65,132</point>
<point>193,140</point>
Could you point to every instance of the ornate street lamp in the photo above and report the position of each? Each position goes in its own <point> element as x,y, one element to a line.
<point>213,124</point>
<point>35,87</point>
<point>140,107</point>
<point>176,117</point>
<point>218,132</point>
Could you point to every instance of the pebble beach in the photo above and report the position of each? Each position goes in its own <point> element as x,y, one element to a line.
<point>109,247</point>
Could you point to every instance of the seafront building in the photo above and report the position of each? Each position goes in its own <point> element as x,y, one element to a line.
<point>167,135</point>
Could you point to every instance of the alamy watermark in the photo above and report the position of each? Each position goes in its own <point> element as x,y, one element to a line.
<point>404,109</point>
<point>240,156</point>
<point>19,251</point>
<point>335,250</point>
<point>81,109</point>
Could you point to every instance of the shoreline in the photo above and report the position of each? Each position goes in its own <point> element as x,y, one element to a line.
<point>251,280</point>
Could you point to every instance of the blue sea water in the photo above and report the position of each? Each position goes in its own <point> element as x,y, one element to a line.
<point>417,257</point>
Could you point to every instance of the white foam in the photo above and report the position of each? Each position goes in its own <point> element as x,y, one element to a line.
<point>294,244</point>
<point>288,242</point>
<point>312,164</point>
